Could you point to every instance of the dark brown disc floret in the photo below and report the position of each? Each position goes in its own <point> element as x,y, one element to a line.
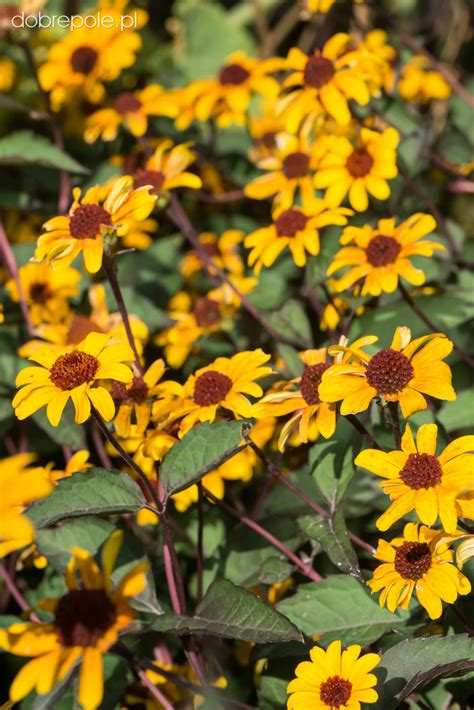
<point>412,560</point>
<point>83,616</point>
<point>155,178</point>
<point>39,292</point>
<point>207,312</point>
<point>73,370</point>
<point>233,75</point>
<point>86,221</point>
<point>359,163</point>
<point>211,388</point>
<point>127,103</point>
<point>382,250</point>
<point>289,222</point>
<point>296,165</point>
<point>335,691</point>
<point>310,381</point>
<point>318,71</point>
<point>83,60</point>
<point>421,471</point>
<point>389,371</point>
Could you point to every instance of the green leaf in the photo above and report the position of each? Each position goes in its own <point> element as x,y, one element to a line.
<point>331,533</point>
<point>272,693</point>
<point>332,463</point>
<point>291,359</point>
<point>26,148</point>
<point>56,543</point>
<point>201,450</point>
<point>292,324</point>
<point>233,612</point>
<point>413,663</point>
<point>94,492</point>
<point>458,415</point>
<point>67,434</point>
<point>339,607</point>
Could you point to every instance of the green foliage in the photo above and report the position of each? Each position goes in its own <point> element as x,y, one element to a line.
<point>26,148</point>
<point>331,534</point>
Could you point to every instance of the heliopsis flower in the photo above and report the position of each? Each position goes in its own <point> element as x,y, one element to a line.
<point>300,398</point>
<point>333,679</point>
<point>290,171</point>
<point>418,82</point>
<point>377,257</point>
<point>294,228</point>
<point>7,74</point>
<point>418,479</point>
<point>19,486</point>
<point>131,110</point>
<point>46,291</point>
<point>226,97</point>
<point>374,58</point>
<point>419,562</point>
<point>72,375</point>
<point>89,220</point>
<point>133,400</point>
<point>223,250</point>
<point>88,620</point>
<point>404,373</point>
<point>166,169</point>
<point>360,169</point>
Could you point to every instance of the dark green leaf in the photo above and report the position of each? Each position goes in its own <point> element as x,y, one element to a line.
<point>26,148</point>
<point>331,534</point>
<point>292,360</point>
<point>292,324</point>
<point>56,543</point>
<point>67,434</point>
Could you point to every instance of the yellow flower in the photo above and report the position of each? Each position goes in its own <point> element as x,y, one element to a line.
<point>263,129</point>
<point>419,562</point>
<point>138,234</point>
<point>88,620</point>
<point>374,58</point>
<point>90,219</point>
<point>72,375</point>
<point>378,256</point>
<point>19,486</point>
<point>419,83</point>
<point>134,399</point>
<point>418,479</point>
<point>402,373</point>
<point>322,6</point>
<point>7,74</point>
<point>78,462</point>
<point>333,679</point>
<point>166,169</point>
<point>226,98</point>
<point>294,228</point>
<point>300,398</point>
<point>223,250</point>
<point>131,110</point>
<point>45,291</point>
<point>358,170</point>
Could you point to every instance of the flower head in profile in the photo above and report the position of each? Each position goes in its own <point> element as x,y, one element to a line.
<point>418,479</point>
<point>73,374</point>
<point>418,81</point>
<point>90,219</point>
<point>404,373</point>
<point>134,400</point>
<point>360,169</point>
<point>419,562</point>
<point>166,169</point>
<point>334,679</point>
<point>19,485</point>
<point>294,228</point>
<point>88,620</point>
<point>377,257</point>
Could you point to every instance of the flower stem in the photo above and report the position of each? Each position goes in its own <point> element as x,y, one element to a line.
<point>16,594</point>
<point>9,260</point>
<point>173,573</point>
<point>394,421</point>
<point>200,543</point>
<point>358,426</point>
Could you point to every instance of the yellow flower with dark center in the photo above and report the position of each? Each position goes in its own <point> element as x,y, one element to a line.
<point>404,373</point>
<point>166,169</point>
<point>19,486</point>
<point>264,129</point>
<point>46,291</point>
<point>131,110</point>
<point>90,219</point>
<point>294,228</point>
<point>333,679</point>
<point>88,620</point>
<point>419,562</point>
<point>360,169</point>
<point>418,479</point>
<point>378,256</point>
<point>73,374</point>
<point>418,82</point>
<point>134,400</point>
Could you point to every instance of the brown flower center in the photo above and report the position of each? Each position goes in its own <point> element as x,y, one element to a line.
<point>296,165</point>
<point>412,560</point>
<point>335,691</point>
<point>80,327</point>
<point>382,250</point>
<point>310,381</point>
<point>233,74</point>
<point>73,369</point>
<point>83,60</point>
<point>83,616</point>
<point>207,312</point>
<point>269,139</point>
<point>155,178</point>
<point>389,371</point>
<point>126,103</point>
<point>136,393</point>
<point>39,292</point>
<point>289,222</point>
<point>211,388</point>
<point>318,71</point>
<point>86,221</point>
<point>359,163</point>
<point>421,471</point>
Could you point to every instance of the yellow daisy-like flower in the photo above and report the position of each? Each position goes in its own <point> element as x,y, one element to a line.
<point>404,373</point>
<point>418,479</point>
<point>358,170</point>
<point>19,486</point>
<point>300,398</point>
<point>223,250</point>
<point>379,256</point>
<point>325,82</point>
<point>294,228</point>
<point>419,562</point>
<point>72,375</point>
<point>418,82</point>
<point>88,620</point>
<point>90,219</point>
<point>133,400</point>
<point>7,74</point>
<point>166,169</point>
<point>334,679</point>
<point>46,291</point>
<point>263,129</point>
<point>131,110</point>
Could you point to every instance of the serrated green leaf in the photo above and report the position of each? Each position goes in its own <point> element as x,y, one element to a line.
<point>26,148</point>
<point>94,492</point>
<point>292,324</point>
<point>331,534</point>
<point>56,543</point>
